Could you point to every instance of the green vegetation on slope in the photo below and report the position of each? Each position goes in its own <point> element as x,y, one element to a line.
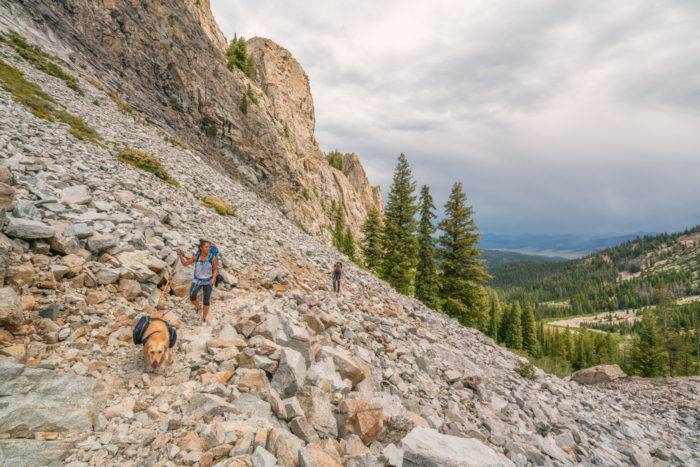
<point>146,162</point>
<point>42,105</point>
<point>38,59</point>
<point>237,56</point>
<point>622,277</point>
<point>497,258</point>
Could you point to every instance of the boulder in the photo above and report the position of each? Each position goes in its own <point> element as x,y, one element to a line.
<point>11,315</point>
<point>319,411</point>
<point>315,455</point>
<point>348,366</point>
<point>33,452</point>
<point>27,229</point>
<point>64,245</point>
<point>36,400</point>
<point>206,406</point>
<point>77,194</point>
<point>598,374</point>
<point>290,374</point>
<point>263,458</point>
<point>430,448</point>
<point>363,418</point>
<point>181,280</point>
<point>98,244</point>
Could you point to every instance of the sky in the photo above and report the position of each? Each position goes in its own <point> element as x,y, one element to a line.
<point>558,116</point>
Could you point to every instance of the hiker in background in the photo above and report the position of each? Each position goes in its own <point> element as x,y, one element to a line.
<point>206,271</point>
<point>337,274</point>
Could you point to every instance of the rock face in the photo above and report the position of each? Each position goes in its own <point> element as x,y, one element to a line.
<point>598,374</point>
<point>11,315</point>
<point>169,59</point>
<point>426,447</point>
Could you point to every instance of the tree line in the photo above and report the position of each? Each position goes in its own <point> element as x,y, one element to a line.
<point>403,248</point>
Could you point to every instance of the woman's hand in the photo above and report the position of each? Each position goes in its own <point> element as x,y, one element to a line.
<point>213,280</point>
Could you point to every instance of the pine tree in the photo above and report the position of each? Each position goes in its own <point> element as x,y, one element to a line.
<point>372,242</point>
<point>514,331</point>
<point>462,274</point>
<point>348,246</point>
<point>237,57</point>
<point>530,341</point>
<point>338,231</point>
<point>400,244</point>
<point>494,318</point>
<point>648,357</point>
<point>427,286</point>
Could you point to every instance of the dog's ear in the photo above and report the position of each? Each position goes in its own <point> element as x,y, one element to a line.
<point>140,329</point>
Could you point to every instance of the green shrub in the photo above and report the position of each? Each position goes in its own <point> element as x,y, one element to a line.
<point>237,57</point>
<point>42,105</point>
<point>219,205</point>
<point>39,59</point>
<point>526,370</point>
<point>146,162</point>
<point>335,159</point>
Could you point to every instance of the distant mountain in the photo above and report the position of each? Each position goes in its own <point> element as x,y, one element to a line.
<point>566,245</point>
<point>496,258</point>
<point>620,277</point>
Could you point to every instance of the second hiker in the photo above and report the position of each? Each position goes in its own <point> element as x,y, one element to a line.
<point>337,275</point>
<point>206,270</point>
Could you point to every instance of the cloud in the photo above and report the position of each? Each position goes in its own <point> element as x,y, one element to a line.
<point>577,116</point>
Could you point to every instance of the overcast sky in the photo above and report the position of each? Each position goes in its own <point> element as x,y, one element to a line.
<point>558,116</point>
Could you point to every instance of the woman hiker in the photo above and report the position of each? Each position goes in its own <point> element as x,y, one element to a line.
<point>206,269</point>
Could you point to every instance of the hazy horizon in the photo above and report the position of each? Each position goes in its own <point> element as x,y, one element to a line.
<point>559,117</point>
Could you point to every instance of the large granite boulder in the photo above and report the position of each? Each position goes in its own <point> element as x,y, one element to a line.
<point>598,374</point>
<point>11,315</point>
<point>36,399</point>
<point>426,447</point>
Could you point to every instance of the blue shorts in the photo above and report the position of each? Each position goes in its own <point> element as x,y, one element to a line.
<point>206,292</point>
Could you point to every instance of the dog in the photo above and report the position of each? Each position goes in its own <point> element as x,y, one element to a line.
<point>156,353</point>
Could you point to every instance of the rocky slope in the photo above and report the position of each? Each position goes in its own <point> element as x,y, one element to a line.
<point>166,60</point>
<point>286,372</point>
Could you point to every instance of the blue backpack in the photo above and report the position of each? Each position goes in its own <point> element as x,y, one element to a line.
<point>213,252</point>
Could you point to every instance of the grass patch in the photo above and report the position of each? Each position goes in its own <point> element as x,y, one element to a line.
<point>146,162</point>
<point>39,59</point>
<point>219,205</point>
<point>42,105</point>
<point>526,370</point>
<point>174,141</point>
<point>121,104</point>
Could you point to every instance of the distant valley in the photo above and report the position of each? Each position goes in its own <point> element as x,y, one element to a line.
<point>564,245</point>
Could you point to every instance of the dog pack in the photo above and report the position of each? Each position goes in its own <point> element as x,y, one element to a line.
<point>142,325</point>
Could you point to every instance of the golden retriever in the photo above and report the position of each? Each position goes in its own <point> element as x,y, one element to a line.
<point>156,352</point>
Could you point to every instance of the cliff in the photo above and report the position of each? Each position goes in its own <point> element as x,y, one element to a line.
<point>165,59</point>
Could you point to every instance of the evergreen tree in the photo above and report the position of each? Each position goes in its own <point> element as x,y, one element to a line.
<point>372,242</point>
<point>400,244</point>
<point>338,231</point>
<point>237,57</point>
<point>514,331</point>
<point>494,318</point>
<point>530,341</point>
<point>463,274</point>
<point>427,286</point>
<point>348,246</point>
<point>647,356</point>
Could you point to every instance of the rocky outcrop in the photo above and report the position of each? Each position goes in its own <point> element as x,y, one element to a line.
<point>598,374</point>
<point>166,60</point>
<point>425,447</point>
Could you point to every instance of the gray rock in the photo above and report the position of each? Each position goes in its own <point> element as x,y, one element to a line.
<point>11,314</point>
<point>77,194</point>
<point>26,210</point>
<point>598,374</point>
<point>64,245</point>
<point>7,195</point>
<point>205,406</point>
<point>98,244</point>
<point>301,427</point>
<point>319,411</point>
<point>31,452</point>
<point>429,448</point>
<point>80,230</point>
<point>262,458</point>
<point>291,373</point>
<point>106,276</point>
<point>36,399</point>
<point>27,229</point>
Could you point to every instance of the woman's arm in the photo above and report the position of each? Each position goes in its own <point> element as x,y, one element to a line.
<point>184,260</point>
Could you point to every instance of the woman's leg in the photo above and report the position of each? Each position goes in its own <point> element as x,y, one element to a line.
<point>206,294</point>
<point>194,291</point>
